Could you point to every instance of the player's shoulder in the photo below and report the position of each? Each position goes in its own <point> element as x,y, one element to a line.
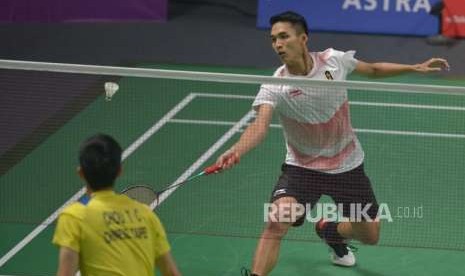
<point>127,201</point>
<point>329,53</point>
<point>334,57</point>
<point>280,72</point>
<point>143,207</point>
<point>76,209</point>
<point>274,88</point>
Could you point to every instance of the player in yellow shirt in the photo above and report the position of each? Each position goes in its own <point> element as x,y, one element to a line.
<point>110,234</point>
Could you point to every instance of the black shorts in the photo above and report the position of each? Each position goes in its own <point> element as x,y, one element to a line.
<point>307,186</point>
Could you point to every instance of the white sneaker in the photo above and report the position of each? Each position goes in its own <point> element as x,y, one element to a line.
<point>348,260</point>
<point>341,253</point>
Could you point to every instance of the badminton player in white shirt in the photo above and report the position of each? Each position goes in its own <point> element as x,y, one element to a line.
<point>324,156</point>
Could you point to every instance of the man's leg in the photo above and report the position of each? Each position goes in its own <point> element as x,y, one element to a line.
<point>365,232</point>
<point>351,188</point>
<point>357,189</point>
<point>267,251</point>
<point>337,235</point>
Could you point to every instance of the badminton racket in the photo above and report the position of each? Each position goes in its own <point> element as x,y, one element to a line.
<point>147,195</point>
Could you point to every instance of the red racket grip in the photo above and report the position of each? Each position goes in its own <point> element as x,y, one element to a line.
<point>212,169</point>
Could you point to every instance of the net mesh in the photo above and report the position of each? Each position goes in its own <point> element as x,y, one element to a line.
<point>172,124</point>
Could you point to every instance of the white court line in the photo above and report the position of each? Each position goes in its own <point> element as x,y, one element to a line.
<point>410,133</point>
<point>359,103</point>
<point>416,106</point>
<point>236,126</point>
<point>359,130</point>
<point>168,118</point>
<point>81,192</point>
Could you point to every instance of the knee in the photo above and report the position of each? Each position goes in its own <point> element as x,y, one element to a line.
<point>367,233</point>
<point>371,238</point>
<point>276,230</point>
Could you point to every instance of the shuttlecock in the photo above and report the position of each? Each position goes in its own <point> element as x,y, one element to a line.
<point>110,90</point>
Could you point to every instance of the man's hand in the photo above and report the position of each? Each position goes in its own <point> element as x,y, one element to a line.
<point>228,159</point>
<point>432,65</point>
<point>252,136</point>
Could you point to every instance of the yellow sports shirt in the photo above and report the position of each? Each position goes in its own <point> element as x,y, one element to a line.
<point>113,234</point>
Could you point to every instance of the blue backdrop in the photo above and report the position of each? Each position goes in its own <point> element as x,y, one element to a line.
<point>405,17</point>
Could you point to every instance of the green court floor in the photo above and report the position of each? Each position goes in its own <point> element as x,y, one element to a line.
<point>414,146</point>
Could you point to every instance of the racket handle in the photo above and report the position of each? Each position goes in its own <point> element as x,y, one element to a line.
<point>212,169</point>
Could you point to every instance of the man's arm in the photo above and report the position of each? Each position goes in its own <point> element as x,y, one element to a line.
<point>251,137</point>
<point>68,262</point>
<point>167,266</point>
<point>386,69</point>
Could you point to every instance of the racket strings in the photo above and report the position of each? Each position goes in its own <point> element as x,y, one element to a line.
<point>143,194</point>
<point>147,195</point>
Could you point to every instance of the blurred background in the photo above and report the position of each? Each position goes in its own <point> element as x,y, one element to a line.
<point>220,32</point>
<point>414,141</point>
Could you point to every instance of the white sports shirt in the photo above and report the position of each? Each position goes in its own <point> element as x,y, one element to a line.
<point>316,121</point>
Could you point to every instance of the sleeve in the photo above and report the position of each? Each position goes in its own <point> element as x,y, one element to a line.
<point>67,232</point>
<point>160,241</point>
<point>266,95</point>
<point>346,60</point>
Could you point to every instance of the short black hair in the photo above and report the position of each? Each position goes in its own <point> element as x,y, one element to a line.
<point>292,17</point>
<point>100,161</point>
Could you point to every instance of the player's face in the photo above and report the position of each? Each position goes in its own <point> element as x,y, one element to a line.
<point>287,42</point>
